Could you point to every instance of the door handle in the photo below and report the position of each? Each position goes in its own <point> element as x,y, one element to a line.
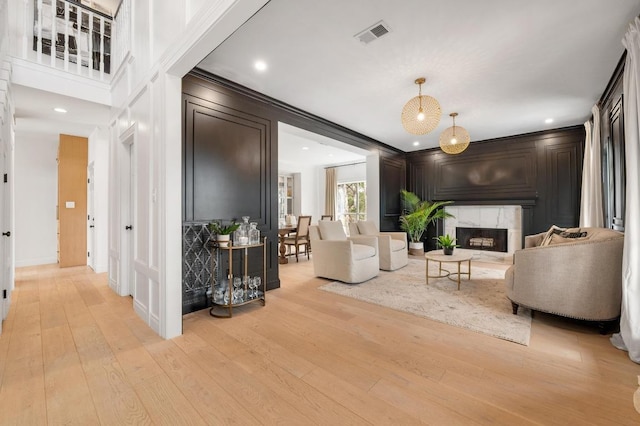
<point>128,227</point>
<point>7,234</point>
<point>91,226</point>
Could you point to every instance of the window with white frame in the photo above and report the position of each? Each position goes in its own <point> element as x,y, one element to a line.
<point>351,202</point>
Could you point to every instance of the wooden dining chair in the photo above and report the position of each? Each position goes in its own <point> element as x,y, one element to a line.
<point>326,217</point>
<point>301,238</point>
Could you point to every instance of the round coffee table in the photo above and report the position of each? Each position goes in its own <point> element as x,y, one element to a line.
<point>458,257</point>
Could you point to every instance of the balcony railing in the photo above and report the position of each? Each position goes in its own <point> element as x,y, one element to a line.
<point>70,36</point>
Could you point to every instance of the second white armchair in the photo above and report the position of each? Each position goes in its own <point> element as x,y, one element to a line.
<point>392,245</point>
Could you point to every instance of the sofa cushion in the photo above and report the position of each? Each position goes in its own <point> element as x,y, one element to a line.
<point>361,251</point>
<point>397,245</point>
<point>332,230</point>
<point>367,227</point>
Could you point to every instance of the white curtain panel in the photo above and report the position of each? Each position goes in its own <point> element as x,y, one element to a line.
<point>629,336</point>
<point>587,176</point>
<point>591,212</point>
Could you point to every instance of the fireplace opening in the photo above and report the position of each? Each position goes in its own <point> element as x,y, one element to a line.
<point>488,239</point>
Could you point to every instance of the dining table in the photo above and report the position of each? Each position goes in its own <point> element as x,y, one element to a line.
<point>283,231</point>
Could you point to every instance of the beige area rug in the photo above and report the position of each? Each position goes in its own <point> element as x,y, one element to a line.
<point>481,304</point>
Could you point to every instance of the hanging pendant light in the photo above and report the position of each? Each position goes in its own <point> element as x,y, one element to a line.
<point>422,113</point>
<point>455,139</point>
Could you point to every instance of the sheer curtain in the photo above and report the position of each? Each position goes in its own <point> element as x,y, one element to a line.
<point>591,213</point>
<point>629,336</point>
<point>330,191</point>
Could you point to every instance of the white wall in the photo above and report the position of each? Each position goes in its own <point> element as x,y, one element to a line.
<point>167,42</point>
<point>99,156</point>
<point>36,198</point>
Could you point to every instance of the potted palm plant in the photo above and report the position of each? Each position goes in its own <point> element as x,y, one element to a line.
<point>222,233</point>
<point>447,243</point>
<point>417,215</point>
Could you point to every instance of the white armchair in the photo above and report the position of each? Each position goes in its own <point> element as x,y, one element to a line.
<point>392,245</point>
<point>351,260</point>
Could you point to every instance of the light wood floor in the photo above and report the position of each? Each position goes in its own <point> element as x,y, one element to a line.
<point>73,352</point>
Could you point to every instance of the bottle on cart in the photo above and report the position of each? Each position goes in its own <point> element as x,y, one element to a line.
<point>254,233</point>
<point>241,235</point>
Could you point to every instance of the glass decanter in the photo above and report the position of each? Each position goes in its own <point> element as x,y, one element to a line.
<point>254,233</point>
<point>241,235</point>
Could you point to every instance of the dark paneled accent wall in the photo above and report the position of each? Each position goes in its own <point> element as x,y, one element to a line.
<point>230,163</point>
<point>392,180</point>
<point>540,171</point>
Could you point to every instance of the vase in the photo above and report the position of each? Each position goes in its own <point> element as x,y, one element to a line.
<point>416,248</point>
<point>448,251</point>
<point>223,240</point>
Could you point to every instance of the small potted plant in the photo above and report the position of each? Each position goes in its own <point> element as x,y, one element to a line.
<point>417,215</point>
<point>222,233</point>
<point>447,243</point>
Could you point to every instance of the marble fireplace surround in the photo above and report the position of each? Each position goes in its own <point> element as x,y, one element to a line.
<point>507,217</point>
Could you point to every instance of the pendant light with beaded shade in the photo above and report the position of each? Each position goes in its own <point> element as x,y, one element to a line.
<point>422,113</point>
<point>455,139</point>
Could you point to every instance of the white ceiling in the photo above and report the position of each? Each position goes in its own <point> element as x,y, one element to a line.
<point>299,148</point>
<point>107,6</point>
<point>505,66</point>
<point>35,115</point>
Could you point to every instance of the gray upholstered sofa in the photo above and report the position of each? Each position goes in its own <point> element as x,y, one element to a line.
<point>578,277</point>
<point>351,260</point>
<point>392,245</point>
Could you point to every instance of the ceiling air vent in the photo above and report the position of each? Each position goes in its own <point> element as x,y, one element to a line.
<point>374,32</point>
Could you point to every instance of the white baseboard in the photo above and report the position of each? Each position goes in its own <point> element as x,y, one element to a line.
<point>35,262</point>
<point>100,268</point>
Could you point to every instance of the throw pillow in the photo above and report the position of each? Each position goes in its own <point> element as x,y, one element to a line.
<point>553,230</point>
<point>562,238</point>
<point>576,234</point>
<point>331,230</point>
<point>367,227</point>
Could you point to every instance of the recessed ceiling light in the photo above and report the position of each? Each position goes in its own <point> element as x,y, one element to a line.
<point>549,120</point>
<point>260,65</point>
<point>304,148</point>
<point>416,143</point>
<point>58,109</point>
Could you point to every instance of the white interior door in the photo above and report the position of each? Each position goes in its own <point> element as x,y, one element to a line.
<point>6,243</point>
<point>4,290</point>
<point>127,213</point>
<point>131,231</point>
